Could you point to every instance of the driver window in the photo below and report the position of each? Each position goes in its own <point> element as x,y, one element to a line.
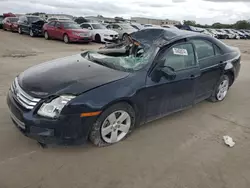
<point>58,24</point>
<point>180,57</point>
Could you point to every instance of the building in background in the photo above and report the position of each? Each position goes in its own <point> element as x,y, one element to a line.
<point>142,20</point>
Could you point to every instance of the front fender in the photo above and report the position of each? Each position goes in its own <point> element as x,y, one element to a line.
<point>129,89</point>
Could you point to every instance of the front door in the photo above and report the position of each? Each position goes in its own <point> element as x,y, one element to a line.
<point>58,31</point>
<point>51,29</point>
<point>176,92</point>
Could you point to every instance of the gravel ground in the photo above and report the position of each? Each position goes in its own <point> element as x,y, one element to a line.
<point>183,150</point>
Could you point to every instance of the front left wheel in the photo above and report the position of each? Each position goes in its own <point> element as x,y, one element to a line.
<point>113,125</point>
<point>66,38</point>
<point>31,33</point>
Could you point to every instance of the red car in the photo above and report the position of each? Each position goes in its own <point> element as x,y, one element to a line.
<point>67,31</point>
<point>10,23</point>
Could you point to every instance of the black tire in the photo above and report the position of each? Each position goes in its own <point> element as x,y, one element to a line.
<point>95,134</point>
<point>98,38</point>
<point>64,39</point>
<point>124,36</point>
<point>46,35</point>
<point>214,97</point>
<point>20,30</point>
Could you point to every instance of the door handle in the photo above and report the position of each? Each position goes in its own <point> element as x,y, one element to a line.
<point>192,76</point>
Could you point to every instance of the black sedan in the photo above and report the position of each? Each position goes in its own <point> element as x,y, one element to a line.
<point>103,95</point>
<point>31,25</point>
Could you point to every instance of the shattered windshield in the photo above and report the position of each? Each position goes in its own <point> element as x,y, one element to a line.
<point>129,63</point>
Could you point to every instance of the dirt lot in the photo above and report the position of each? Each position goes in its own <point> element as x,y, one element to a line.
<point>184,150</point>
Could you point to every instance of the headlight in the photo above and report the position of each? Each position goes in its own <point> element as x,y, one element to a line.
<point>54,108</point>
<point>77,34</point>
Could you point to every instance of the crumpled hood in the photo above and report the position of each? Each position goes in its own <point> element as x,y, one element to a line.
<point>69,75</point>
<point>39,22</point>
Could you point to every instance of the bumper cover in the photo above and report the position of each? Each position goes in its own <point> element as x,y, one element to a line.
<point>70,129</point>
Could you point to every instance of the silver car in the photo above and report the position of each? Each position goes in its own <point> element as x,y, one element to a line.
<point>122,29</point>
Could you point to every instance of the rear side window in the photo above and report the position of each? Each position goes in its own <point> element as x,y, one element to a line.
<point>51,23</point>
<point>180,57</point>
<point>85,26</point>
<point>116,27</point>
<point>217,50</point>
<point>204,49</point>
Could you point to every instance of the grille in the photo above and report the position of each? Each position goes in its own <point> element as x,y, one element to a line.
<point>22,97</point>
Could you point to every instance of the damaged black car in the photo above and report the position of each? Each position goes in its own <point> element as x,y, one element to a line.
<point>31,25</point>
<point>103,95</point>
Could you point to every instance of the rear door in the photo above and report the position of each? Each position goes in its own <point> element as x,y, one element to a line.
<point>26,25</point>
<point>211,66</point>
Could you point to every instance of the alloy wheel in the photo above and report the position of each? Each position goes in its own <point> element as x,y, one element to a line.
<point>31,33</point>
<point>46,35</point>
<point>222,90</point>
<point>66,39</point>
<point>116,126</point>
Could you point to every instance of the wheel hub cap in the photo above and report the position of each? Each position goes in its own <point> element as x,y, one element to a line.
<point>222,90</point>
<point>116,126</point>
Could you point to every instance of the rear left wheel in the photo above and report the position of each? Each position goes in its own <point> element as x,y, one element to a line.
<point>113,125</point>
<point>221,89</point>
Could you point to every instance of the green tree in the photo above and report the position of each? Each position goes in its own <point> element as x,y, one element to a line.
<point>242,24</point>
<point>189,22</point>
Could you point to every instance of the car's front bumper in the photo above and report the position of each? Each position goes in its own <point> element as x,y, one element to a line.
<point>110,39</point>
<point>80,39</point>
<point>70,129</point>
<point>37,32</point>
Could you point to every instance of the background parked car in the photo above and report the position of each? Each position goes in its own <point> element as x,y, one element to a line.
<point>66,31</point>
<point>246,33</point>
<point>58,19</point>
<point>169,26</point>
<point>242,35</point>
<point>100,33</point>
<point>1,22</point>
<point>10,23</point>
<point>232,35</point>
<point>222,34</point>
<point>31,25</point>
<point>122,29</point>
<point>137,26</point>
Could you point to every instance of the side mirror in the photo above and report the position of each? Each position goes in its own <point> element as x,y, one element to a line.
<point>168,73</point>
<point>89,28</point>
